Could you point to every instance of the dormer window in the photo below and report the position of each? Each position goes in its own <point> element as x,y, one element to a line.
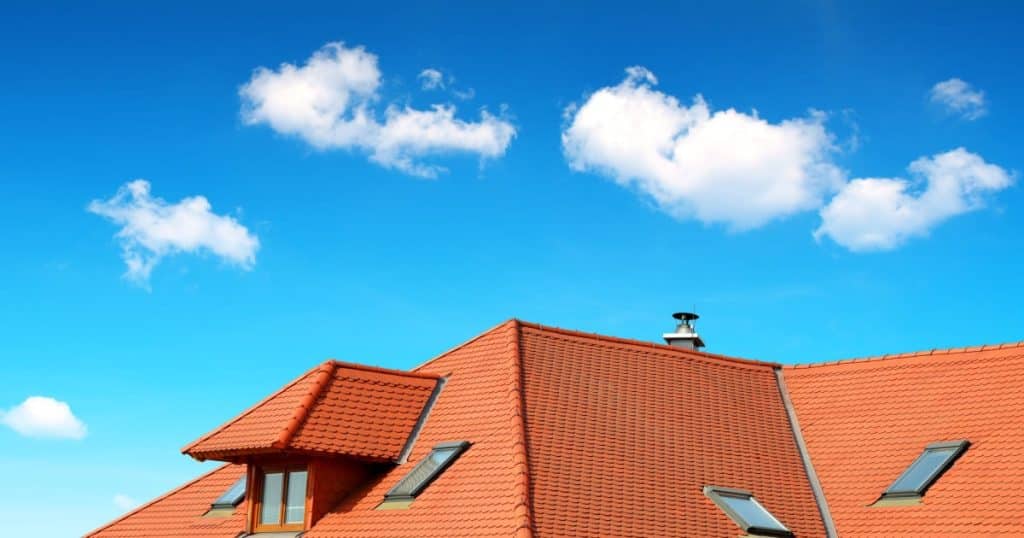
<point>746,511</point>
<point>926,469</point>
<point>281,498</point>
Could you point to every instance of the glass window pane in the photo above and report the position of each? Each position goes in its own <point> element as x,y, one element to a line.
<point>270,512</point>
<point>295,510</point>
<point>422,472</point>
<point>752,512</point>
<point>922,470</point>
<point>233,496</point>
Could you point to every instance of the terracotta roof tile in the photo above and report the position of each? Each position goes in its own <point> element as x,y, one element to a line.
<point>336,408</point>
<point>865,421</point>
<point>623,435</point>
<point>179,513</point>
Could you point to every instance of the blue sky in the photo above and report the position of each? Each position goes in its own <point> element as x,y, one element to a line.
<point>565,222</point>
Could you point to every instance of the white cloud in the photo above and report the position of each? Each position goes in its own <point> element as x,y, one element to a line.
<point>124,502</point>
<point>883,213</point>
<point>152,229</point>
<point>330,103</point>
<point>431,79</point>
<point>959,98</point>
<point>717,167</point>
<point>39,416</point>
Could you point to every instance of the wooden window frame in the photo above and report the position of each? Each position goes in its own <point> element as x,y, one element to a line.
<point>285,469</point>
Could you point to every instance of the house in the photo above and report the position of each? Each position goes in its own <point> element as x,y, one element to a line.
<point>532,431</point>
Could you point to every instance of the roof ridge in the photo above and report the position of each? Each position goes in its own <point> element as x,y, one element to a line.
<point>326,372</point>
<point>381,369</point>
<point>662,347</point>
<point>908,355</point>
<point>416,369</point>
<point>154,501</point>
<point>520,455</point>
<point>252,408</point>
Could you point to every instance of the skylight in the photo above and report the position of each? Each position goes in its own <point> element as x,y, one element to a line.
<point>232,496</point>
<point>746,511</point>
<point>427,470</point>
<point>926,469</point>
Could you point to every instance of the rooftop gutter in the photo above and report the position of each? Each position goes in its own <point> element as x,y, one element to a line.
<point>812,476</point>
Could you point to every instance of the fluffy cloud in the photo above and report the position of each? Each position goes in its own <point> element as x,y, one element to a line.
<point>330,102</point>
<point>959,98</point>
<point>124,502</point>
<point>431,79</point>
<point>881,214</point>
<point>714,166</point>
<point>39,416</point>
<point>152,228</point>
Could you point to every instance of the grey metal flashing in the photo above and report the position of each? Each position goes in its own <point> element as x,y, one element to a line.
<point>812,476</point>
<point>403,456</point>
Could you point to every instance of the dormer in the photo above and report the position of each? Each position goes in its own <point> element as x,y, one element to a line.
<point>318,438</point>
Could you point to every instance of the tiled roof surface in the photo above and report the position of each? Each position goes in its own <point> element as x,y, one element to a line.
<point>336,408</point>
<point>865,421</point>
<point>179,513</point>
<point>483,493</point>
<point>623,436</point>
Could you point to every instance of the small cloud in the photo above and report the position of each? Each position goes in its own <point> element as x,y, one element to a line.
<point>124,502</point>
<point>431,79</point>
<point>331,103</point>
<point>43,417</point>
<point>871,214</point>
<point>153,228</point>
<point>959,98</point>
<point>465,95</point>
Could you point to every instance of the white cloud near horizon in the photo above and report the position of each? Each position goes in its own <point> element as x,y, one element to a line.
<point>152,229</point>
<point>959,98</point>
<point>124,502</point>
<point>43,417</point>
<point>872,214</point>
<point>331,103</point>
<point>721,166</point>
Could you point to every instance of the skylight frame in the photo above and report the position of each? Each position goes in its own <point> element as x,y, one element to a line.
<point>232,497</point>
<point>403,492</point>
<point>718,494</point>
<point>959,447</point>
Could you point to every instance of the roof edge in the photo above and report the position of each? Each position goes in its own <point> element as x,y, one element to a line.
<point>323,377</point>
<point>445,353</point>
<point>805,457</point>
<point>187,448</point>
<point>381,370</point>
<point>154,501</point>
<point>909,355</point>
<point>520,454</point>
<point>663,347</point>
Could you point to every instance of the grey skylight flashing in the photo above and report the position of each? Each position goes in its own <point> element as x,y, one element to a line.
<point>428,469</point>
<point>936,459</point>
<point>232,497</point>
<point>746,511</point>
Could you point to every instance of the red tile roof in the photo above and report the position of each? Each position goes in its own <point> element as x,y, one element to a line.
<point>335,408</point>
<point>179,513</point>
<point>576,434</point>
<point>865,421</point>
<point>623,435</point>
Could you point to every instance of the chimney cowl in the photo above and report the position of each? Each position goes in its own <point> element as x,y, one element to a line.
<point>686,335</point>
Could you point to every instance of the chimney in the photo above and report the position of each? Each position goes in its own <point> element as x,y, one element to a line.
<point>685,336</point>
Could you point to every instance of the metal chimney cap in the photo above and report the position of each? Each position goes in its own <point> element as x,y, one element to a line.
<point>686,316</point>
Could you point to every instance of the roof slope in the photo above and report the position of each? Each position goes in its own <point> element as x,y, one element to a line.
<point>179,513</point>
<point>335,408</point>
<point>483,493</point>
<point>865,421</point>
<point>623,435</point>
